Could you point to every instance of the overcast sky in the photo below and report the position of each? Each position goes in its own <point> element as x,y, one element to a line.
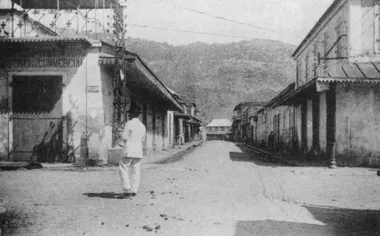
<point>291,18</point>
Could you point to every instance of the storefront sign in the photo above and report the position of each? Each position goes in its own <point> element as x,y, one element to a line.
<point>47,62</point>
<point>92,89</point>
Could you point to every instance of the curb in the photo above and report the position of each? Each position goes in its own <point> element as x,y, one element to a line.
<point>178,155</point>
<point>269,154</point>
<point>163,160</point>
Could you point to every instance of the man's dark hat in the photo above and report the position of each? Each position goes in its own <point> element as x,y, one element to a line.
<point>134,108</point>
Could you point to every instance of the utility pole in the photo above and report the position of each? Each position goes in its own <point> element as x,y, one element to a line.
<point>118,105</point>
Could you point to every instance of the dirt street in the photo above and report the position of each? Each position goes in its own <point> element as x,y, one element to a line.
<point>218,189</point>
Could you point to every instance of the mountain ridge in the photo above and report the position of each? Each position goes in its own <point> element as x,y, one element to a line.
<point>219,76</point>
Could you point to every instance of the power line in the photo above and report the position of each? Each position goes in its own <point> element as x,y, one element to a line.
<point>190,31</point>
<point>242,23</point>
<point>226,19</point>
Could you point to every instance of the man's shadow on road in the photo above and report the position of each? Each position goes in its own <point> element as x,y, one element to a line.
<point>110,195</point>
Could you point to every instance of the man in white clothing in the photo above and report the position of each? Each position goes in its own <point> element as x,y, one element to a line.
<point>129,165</point>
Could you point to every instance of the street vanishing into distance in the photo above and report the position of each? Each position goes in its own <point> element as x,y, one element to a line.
<point>220,188</point>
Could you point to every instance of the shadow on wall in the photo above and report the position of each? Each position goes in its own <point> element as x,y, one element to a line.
<point>336,222</point>
<point>51,147</point>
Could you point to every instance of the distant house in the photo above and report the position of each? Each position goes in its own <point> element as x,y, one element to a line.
<point>243,118</point>
<point>186,125</point>
<point>218,129</point>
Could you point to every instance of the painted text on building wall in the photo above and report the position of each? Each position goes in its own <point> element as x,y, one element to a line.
<point>13,63</point>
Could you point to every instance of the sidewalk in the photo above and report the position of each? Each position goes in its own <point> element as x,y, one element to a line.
<point>311,183</point>
<point>169,155</point>
<point>294,160</point>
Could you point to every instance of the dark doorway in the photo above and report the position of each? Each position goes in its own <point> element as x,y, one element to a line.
<point>37,118</point>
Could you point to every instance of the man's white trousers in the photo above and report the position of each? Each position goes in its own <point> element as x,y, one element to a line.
<point>129,172</point>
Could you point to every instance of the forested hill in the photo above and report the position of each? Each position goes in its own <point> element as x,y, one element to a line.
<point>219,76</point>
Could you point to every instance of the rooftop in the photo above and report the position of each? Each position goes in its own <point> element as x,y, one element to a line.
<point>220,123</point>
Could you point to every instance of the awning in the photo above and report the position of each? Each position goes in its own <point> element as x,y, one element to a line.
<point>181,115</point>
<point>318,84</point>
<point>149,79</point>
<point>141,76</point>
<point>106,59</point>
<point>348,80</point>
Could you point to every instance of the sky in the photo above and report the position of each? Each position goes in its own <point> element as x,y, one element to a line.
<point>284,20</point>
<point>290,19</point>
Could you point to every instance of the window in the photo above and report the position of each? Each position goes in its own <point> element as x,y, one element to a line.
<point>36,94</point>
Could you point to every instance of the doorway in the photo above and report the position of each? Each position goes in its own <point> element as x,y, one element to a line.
<point>37,120</point>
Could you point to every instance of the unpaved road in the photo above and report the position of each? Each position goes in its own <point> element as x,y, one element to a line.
<point>218,189</point>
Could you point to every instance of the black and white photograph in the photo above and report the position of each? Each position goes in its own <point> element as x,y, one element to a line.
<point>189,117</point>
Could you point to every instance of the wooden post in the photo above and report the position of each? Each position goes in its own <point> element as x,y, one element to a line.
<point>316,122</point>
<point>331,125</point>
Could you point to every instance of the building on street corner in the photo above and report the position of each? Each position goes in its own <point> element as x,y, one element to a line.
<point>332,109</point>
<point>59,94</point>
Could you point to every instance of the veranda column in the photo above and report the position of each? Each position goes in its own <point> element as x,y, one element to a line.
<point>181,133</point>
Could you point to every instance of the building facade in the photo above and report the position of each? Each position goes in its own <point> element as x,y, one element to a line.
<point>219,129</point>
<point>278,120</point>
<point>336,96</point>
<point>186,124</point>
<point>58,91</point>
<point>243,117</point>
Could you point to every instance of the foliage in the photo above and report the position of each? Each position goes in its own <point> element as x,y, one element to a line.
<point>219,76</point>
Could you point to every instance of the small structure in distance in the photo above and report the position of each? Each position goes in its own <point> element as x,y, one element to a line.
<point>218,129</point>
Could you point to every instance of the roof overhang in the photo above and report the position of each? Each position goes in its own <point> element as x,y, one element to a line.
<point>320,84</point>
<point>150,79</point>
<point>106,59</point>
<point>63,4</point>
<point>24,40</point>
<point>347,80</point>
<point>181,115</point>
<point>140,75</point>
<point>197,120</point>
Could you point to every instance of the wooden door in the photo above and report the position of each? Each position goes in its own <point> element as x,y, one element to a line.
<point>37,118</point>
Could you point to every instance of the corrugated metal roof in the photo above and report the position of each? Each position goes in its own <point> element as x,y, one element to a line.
<point>43,39</point>
<point>220,123</point>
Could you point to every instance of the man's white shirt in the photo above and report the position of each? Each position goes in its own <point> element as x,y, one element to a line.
<point>134,132</point>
